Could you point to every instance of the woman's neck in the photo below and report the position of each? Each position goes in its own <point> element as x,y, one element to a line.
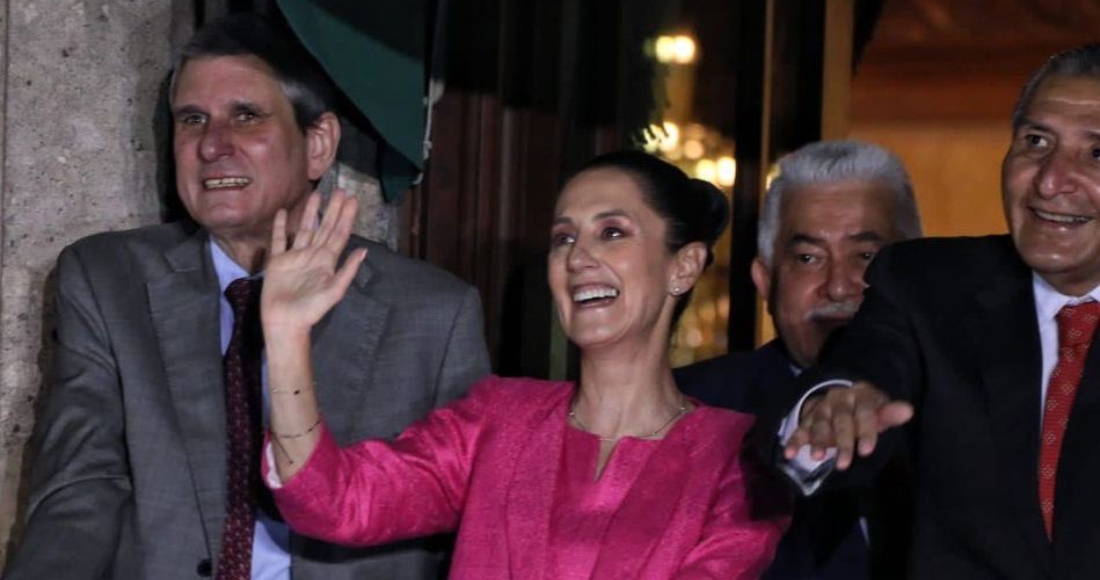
<point>626,395</point>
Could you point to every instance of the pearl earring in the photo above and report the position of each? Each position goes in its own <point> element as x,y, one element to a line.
<point>675,290</point>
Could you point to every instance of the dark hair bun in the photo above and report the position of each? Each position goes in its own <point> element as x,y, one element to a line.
<point>695,210</point>
<point>714,210</point>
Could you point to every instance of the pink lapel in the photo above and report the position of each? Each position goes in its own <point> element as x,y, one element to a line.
<point>530,492</point>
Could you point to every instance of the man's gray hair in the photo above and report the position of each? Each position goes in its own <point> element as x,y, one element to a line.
<point>830,162</point>
<point>1083,61</point>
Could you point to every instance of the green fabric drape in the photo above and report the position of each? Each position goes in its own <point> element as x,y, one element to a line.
<point>374,52</point>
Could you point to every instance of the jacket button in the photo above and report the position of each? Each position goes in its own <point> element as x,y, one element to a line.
<point>204,569</point>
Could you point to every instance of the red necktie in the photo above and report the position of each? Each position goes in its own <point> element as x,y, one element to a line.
<point>243,368</point>
<point>1076,325</point>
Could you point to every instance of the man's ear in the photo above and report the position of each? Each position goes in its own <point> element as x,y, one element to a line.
<point>687,267</point>
<point>322,140</point>
<point>761,278</point>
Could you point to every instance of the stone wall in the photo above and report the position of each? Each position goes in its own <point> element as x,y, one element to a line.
<point>79,156</point>
<point>84,137</point>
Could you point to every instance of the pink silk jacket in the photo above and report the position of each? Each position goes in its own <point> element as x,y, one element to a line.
<point>487,465</point>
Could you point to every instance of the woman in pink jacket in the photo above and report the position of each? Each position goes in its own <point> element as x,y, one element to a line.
<point>617,476</point>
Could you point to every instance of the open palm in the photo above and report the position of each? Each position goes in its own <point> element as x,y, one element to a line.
<point>301,280</point>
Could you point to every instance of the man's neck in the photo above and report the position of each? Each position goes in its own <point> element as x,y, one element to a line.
<point>246,253</point>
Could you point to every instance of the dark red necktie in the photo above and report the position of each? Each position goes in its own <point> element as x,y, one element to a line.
<point>243,415</point>
<point>1076,325</point>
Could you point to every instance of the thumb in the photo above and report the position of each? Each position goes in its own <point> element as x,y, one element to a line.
<point>893,414</point>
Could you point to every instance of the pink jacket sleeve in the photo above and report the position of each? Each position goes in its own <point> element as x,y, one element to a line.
<point>378,491</point>
<point>733,545</point>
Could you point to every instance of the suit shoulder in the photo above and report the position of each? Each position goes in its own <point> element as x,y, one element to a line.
<point>722,367</point>
<point>113,249</point>
<point>957,258</point>
<point>512,394</point>
<point>410,277</point>
<point>723,363</point>
<point>950,251</point>
<point>160,236</point>
<point>721,427</point>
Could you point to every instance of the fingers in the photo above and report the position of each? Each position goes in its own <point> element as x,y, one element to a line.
<point>341,230</point>
<point>894,414</point>
<point>347,271</point>
<point>304,236</point>
<point>832,425</point>
<point>278,233</point>
<point>338,221</point>
<point>798,439</point>
<point>862,413</point>
<point>848,419</point>
<point>330,217</point>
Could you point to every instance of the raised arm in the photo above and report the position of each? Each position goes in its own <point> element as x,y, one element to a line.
<point>301,284</point>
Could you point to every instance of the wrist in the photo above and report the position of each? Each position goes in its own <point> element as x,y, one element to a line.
<point>286,331</point>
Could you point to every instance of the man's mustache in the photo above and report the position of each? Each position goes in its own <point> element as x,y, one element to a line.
<point>834,310</point>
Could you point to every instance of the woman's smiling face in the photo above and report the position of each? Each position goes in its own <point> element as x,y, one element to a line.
<point>609,267</point>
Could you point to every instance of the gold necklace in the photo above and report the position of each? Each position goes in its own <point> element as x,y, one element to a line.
<point>679,411</point>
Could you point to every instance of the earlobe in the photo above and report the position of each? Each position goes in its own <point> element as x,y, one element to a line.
<point>322,141</point>
<point>689,264</point>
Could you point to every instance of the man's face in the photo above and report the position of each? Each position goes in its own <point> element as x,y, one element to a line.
<point>240,156</point>
<point>827,236</point>
<point>1050,182</point>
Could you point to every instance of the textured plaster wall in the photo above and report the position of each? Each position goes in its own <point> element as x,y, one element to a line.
<point>80,84</point>
<point>79,157</point>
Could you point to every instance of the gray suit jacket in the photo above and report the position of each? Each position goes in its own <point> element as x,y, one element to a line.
<point>129,476</point>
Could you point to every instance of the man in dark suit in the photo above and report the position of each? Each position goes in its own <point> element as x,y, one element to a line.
<point>981,346</point>
<point>140,440</point>
<point>833,205</point>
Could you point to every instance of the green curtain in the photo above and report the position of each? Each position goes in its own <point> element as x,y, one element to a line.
<point>374,52</point>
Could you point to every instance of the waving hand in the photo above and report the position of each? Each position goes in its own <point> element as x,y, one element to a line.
<point>301,281</point>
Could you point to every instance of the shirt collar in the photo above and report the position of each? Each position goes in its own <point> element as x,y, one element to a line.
<point>226,268</point>
<point>1049,301</point>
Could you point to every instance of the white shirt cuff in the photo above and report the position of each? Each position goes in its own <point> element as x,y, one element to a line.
<point>272,475</point>
<point>803,470</point>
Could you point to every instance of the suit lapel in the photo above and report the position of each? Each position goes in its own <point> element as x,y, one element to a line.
<point>344,345</point>
<point>183,306</point>
<point>1006,336</point>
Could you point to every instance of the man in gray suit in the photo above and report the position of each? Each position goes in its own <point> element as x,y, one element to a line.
<point>130,475</point>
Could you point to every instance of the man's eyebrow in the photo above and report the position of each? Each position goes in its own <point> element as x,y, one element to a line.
<point>1033,125</point>
<point>800,238</point>
<point>186,110</point>
<point>867,236</point>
